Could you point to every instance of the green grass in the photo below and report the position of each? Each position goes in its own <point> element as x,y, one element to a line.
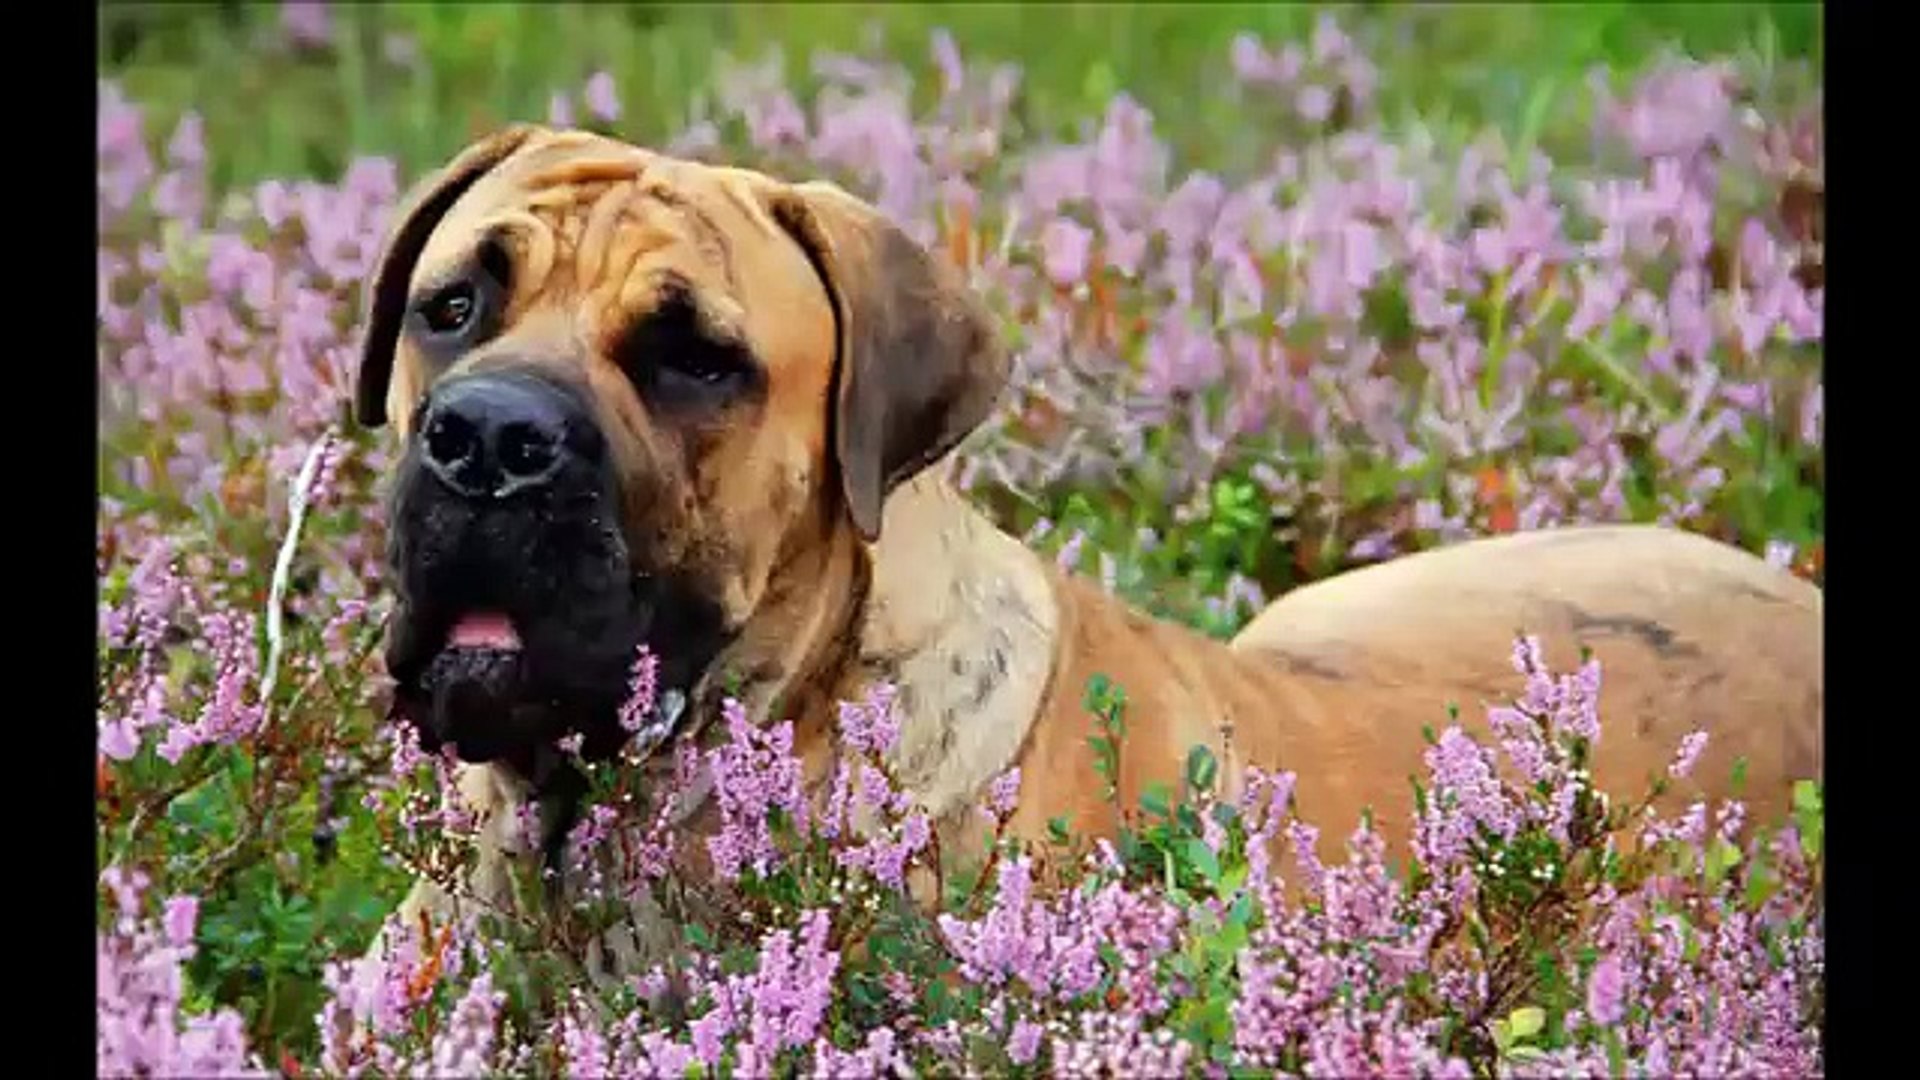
<point>278,111</point>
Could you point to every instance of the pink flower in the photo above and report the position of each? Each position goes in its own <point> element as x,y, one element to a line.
<point>1066,249</point>
<point>119,739</point>
<point>878,1058</point>
<point>465,1046</point>
<point>1253,64</point>
<point>1314,103</point>
<point>1688,755</point>
<point>307,22</point>
<point>182,913</point>
<point>141,1026</point>
<point>1466,798</point>
<point>752,774</point>
<point>871,726</point>
<point>1004,793</point>
<point>642,685</point>
<point>1023,1044</point>
<point>1605,991</point>
<point>603,101</point>
<point>946,57</point>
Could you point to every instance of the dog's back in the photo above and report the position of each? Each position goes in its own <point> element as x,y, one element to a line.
<point>1336,680</point>
<point>1690,634</point>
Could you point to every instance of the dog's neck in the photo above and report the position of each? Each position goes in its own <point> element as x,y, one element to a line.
<point>958,616</point>
<point>963,619</point>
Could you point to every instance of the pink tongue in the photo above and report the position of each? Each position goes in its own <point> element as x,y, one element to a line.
<point>484,630</point>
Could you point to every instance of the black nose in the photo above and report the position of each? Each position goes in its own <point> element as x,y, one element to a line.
<point>491,435</point>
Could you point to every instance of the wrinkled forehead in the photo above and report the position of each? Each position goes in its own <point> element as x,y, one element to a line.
<point>596,229</point>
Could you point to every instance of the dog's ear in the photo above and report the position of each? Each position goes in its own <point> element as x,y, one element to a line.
<point>413,222</point>
<point>920,363</point>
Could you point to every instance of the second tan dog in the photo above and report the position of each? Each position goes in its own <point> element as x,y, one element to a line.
<point>650,400</point>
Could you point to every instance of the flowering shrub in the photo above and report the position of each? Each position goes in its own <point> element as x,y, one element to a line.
<point>1345,339</point>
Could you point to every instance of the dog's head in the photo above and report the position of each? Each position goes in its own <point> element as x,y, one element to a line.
<point>630,389</point>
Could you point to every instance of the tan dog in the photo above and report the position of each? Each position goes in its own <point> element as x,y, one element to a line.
<point>649,400</point>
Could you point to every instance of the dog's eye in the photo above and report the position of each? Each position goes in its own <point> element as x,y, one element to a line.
<point>450,310</point>
<point>679,364</point>
<point>701,362</point>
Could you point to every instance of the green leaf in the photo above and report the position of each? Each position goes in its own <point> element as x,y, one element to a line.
<point>1760,887</point>
<point>1104,756</point>
<point>1477,931</point>
<point>1806,797</point>
<point>1721,858</point>
<point>1155,800</point>
<point>1808,819</point>
<point>1521,1055</point>
<point>1525,1023</point>
<point>1201,768</point>
<point>1202,858</point>
<point>1097,688</point>
<point>1233,879</point>
<point>1188,820</point>
<point>1739,776</point>
<point>1241,914</point>
<point>1232,938</point>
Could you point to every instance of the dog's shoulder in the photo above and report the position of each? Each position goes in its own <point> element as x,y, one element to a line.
<point>966,622</point>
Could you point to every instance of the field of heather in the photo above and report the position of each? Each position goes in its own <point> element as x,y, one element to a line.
<point>1289,291</point>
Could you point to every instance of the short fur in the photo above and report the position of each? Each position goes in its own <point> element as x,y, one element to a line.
<point>817,521</point>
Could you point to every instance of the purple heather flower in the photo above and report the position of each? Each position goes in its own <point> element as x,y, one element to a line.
<point>1314,103</point>
<point>582,1041</point>
<point>642,684</point>
<point>752,774</point>
<point>1688,755</point>
<point>307,22</point>
<point>1606,990</point>
<point>182,913</point>
<point>946,57</point>
<point>1023,1043</point>
<point>1253,64</point>
<point>1068,557</point>
<point>142,1027</point>
<point>1067,249</point>
<point>1466,796</point>
<point>878,1058</point>
<point>871,726</point>
<point>603,100</point>
<point>1004,793</point>
<point>465,1046</point>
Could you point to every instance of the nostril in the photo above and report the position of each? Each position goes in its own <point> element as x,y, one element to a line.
<point>490,436</point>
<point>451,438</point>
<point>525,450</point>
